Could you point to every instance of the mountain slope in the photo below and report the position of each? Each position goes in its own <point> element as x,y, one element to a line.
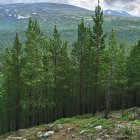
<point>14,18</point>
<point>86,127</point>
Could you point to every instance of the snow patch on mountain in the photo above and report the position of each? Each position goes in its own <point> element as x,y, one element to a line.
<point>22,17</point>
<point>34,13</point>
<point>7,10</point>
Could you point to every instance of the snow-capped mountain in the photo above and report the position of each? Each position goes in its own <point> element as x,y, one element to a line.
<point>120,13</point>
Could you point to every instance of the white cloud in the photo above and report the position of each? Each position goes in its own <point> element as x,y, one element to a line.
<point>131,6</point>
<point>88,4</point>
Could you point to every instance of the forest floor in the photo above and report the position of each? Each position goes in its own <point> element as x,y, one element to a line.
<point>86,127</point>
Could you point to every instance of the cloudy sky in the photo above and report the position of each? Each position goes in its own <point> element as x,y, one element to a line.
<point>131,6</point>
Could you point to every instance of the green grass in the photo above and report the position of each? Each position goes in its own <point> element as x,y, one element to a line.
<point>122,127</point>
<point>136,122</point>
<point>127,130</point>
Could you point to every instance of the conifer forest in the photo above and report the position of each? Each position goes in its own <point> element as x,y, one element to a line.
<point>46,78</point>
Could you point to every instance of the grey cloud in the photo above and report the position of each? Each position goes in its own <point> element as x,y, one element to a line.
<point>122,1</point>
<point>131,6</point>
<point>29,1</point>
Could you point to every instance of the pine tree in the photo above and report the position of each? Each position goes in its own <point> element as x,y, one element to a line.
<point>133,73</point>
<point>6,85</point>
<point>48,82</point>
<point>120,74</point>
<point>11,85</point>
<point>78,55</point>
<point>2,110</point>
<point>16,52</point>
<point>133,68</point>
<point>99,45</point>
<point>55,48</point>
<point>33,72</point>
<point>64,80</point>
<point>112,54</point>
<point>58,72</point>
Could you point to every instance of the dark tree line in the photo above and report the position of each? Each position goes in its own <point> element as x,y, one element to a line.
<point>41,80</point>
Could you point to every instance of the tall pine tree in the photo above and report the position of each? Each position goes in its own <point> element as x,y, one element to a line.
<point>16,77</point>
<point>33,71</point>
<point>99,45</point>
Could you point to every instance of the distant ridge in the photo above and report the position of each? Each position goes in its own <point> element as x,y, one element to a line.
<point>108,12</point>
<point>14,18</point>
<point>119,13</point>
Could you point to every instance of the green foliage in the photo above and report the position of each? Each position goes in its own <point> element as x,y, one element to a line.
<point>82,57</point>
<point>127,130</point>
<point>64,121</point>
<point>41,80</point>
<point>102,122</point>
<point>136,122</point>
<point>98,36</point>
<point>33,71</point>
<point>133,66</point>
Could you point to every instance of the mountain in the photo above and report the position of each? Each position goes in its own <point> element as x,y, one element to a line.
<point>14,18</point>
<point>86,127</point>
<point>117,13</point>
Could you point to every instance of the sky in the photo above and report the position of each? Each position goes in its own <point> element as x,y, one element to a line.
<point>131,6</point>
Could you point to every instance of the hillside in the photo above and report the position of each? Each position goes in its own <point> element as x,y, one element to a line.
<point>86,127</point>
<point>42,81</point>
<point>14,18</point>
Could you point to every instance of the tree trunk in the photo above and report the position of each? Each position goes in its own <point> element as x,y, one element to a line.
<point>135,101</point>
<point>96,79</point>
<point>30,110</point>
<point>109,91</point>
<point>17,95</point>
<point>8,106</point>
<point>123,103</point>
<point>81,82</point>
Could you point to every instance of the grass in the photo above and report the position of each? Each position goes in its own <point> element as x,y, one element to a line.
<point>127,130</point>
<point>137,122</point>
<point>114,127</point>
